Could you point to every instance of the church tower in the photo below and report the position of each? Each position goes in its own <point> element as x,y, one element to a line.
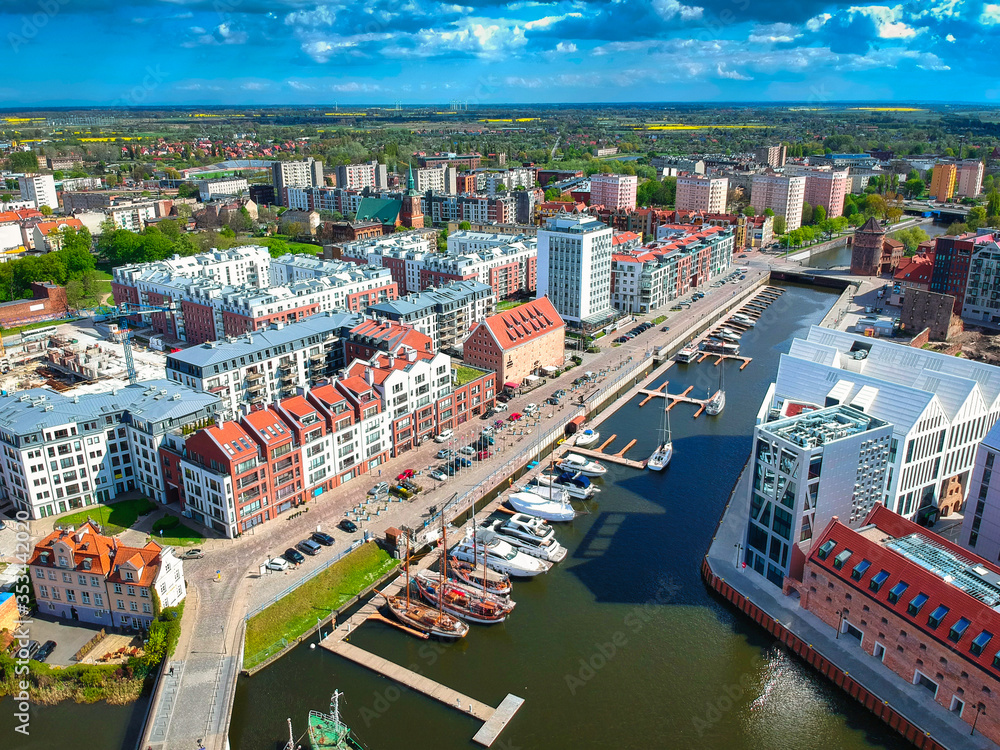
<point>411,215</point>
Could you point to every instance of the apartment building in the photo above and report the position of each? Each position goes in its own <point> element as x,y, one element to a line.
<point>782,194</point>
<point>40,189</point>
<point>509,180</point>
<point>924,608</point>
<point>295,174</point>
<point>446,315</point>
<point>754,231</point>
<point>969,180</point>
<point>981,301</point>
<point>939,406</point>
<point>825,187</point>
<point>82,575</point>
<point>223,187</point>
<point>708,194</point>
<point>672,166</point>
<point>356,176</point>
<point>442,179</point>
<point>688,256</point>
<point>981,524</point>
<point>264,366</point>
<point>943,180</point>
<point>67,452</point>
<point>771,156</point>
<point>614,191</point>
<point>810,466</point>
<point>132,216</point>
<point>574,268</point>
<point>525,340</point>
<point>953,262</point>
<point>465,161</point>
<point>842,161</point>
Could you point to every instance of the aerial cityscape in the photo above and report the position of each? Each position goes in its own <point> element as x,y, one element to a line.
<point>564,374</point>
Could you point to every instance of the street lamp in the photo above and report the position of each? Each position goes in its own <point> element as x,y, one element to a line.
<point>739,550</point>
<point>980,708</point>
<point>840,622</point>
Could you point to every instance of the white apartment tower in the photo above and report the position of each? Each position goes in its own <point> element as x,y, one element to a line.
<point>782,194</point>
<point>698,193</point>
<point>40,189</point>
<point>574,267</point>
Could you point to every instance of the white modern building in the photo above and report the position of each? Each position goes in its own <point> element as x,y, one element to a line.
<point>446,315</point>
<point>782,194</point>
<point>574,267</point>
<point>809,466</point>
<point>295,174</point>
<point>939,406</point>
<point>368,175</point>
<point>40,189</point>
<point>223,187</point>
<point>442,179</point>
<point>982,287</point>
<point>981,525</point>
<point>697,193</point>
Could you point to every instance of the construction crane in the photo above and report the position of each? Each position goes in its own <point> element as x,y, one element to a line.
<point>120,316</point>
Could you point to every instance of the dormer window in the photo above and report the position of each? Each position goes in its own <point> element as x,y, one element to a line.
<point>128,575</point>
<point>63,562</point>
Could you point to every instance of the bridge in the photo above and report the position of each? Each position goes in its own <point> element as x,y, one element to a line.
<point>929,209</point>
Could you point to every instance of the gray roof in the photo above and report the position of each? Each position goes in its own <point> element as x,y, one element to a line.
<point>154,400</point>
<point>416,303</point>
<point>251,343</point>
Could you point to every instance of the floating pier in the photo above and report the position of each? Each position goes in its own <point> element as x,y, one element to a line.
<point>674,399</point>
<point>615,458</point>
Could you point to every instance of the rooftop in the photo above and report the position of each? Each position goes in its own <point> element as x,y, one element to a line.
<point>813,429</point>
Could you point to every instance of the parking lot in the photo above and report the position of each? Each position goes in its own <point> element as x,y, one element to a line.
<point>69,637</point>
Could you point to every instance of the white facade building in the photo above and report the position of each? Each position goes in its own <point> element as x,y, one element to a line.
<point>574,267</point>
<point>222,188</point>
<point>782,194</point>
<point>40,189</point>
<point>696,193</point>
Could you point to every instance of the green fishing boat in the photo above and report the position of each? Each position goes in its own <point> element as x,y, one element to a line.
<point>327,731</point>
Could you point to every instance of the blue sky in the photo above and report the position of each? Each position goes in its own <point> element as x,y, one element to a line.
<point>113,52</point>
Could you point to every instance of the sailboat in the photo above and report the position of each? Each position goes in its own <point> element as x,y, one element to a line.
<point>483,578</point>
<point>717,403</point>
<point>665,450</point>
<point>328,731</point>
<point>422,617</point>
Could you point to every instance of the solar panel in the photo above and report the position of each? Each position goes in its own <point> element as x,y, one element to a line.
<point>952,567</point>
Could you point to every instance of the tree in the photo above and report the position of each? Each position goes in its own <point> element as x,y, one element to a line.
<point>807,214</point>
<point>749,210</point>
<point>976,218</point>
<point>819,215</point>
<point>111,180</point>
<point>464,225</point>
<point>57,175</point>
<point>6,198</point>
<point>914,187</point>
<point>187,190</point>
<point>993,204</point>
<point>768,212</point>
<point>23,161</point>
<point>911,237</point>
<point>958,227</point>
<point>292,228</point>
<point>778,227</point>
<point>45,210</point>
<point>75,294</point>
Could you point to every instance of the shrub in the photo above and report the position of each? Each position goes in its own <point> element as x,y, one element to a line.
<point>165,523</point>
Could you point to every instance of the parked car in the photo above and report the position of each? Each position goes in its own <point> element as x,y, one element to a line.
<point>560,393</point>
<point>379,489</point>
<point>323,538</point>
<point>463,462</point>
<point>515,416</point>
<point>349,526</point>
<point>488,413</point>
<point>500,407</point>
<point>192,554</point>
<point>665,328</point>
<point>33,647</point>
<point>531,409</point>
<point>443,453</point>
<point>294,556</point>
<point>467,450</point>
<point>552,401</point>
<point>483,455</point>
<point>503,398</point>
<point>45,651</point>
<point>444,436</point>
<point>438,474</point>
<point>309,547</point>
<point>742,255</point>
<point>405,474</point>
<point>277,563</point>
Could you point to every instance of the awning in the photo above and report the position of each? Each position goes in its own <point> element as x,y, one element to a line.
<point>532,378</point>
<point>511,385</point>
<point>550,368</point>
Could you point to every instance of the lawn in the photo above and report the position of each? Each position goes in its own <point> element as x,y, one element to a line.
<point>114,517</point>
<point>39,324</point>
<point>316,598</point>
<point>303,247</point>
<point>509,304</point>
<point>462,375</point>
<point>170,532</point>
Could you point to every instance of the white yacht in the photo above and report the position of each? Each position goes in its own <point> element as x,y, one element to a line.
<point>501,556</point>
<point>577,463</point>
<point>743,320</point>
<point>717,402</point>
<point>574,484</point>
<point>586,438</point>
<point>549,492</point>
<point>727,334</point>
<point>665,450</point>
<point>530,535</point>
<point>541,507</point>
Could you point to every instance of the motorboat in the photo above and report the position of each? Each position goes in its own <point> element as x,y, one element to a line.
<point>530,535</point>
<point>586,438</point>
<point>687,354</point>
<point>549,492</point>
<point>576,463</point>
<point>717,402</point>
<point>722,347</point>
<point>541,507</point>
<point>461,600</point>
<point>499,555</point>
<point>727,334</point>
<point>574,484</point>
<point>665,449</point>
<point>743,320</point>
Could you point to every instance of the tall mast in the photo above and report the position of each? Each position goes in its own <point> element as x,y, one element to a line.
<point>407,573</point>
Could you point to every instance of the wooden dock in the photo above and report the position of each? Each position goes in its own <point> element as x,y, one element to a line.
<point>674,399</point>
<point>615,458</point>
<point>494,719</point>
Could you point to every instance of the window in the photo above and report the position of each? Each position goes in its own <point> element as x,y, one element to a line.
<point>839,560</point>
<point>121,604</point>
<point>130,590</point>
<point>133,606</point>
<point>860,569</point>
<point>916,603</point>
<point>980,642</point>
<point>98,600</point>
<point>958,629</point>
<point>118,588</point>
<point>937,616</point>
<point>878,579</point>
<point>897,591</point>
<point>826,549</point>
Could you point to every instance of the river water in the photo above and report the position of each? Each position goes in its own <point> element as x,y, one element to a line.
<point>621,645</point>
<point>840,257</point>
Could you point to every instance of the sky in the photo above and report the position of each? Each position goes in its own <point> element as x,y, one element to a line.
<point>148,52</point>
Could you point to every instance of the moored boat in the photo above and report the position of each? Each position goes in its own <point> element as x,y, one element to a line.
<point>537,505</point>
<point>576,463</point>
<point>530,535</point>
<point>717,402</point>
<point>687,354</point>
<point>461,600</point>
<point>500,556</point>
<point>327,731</point>
<point>573,483</point>
<point>586,438</point>
<point>665,449</point>
<point>716,346</point>
<point>480,577</point>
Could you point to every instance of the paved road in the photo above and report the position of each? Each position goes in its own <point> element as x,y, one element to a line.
<point>208,654</point>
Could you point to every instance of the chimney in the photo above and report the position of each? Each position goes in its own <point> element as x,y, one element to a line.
<point>369,375</point>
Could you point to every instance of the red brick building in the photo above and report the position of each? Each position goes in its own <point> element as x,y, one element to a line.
<point>48,302</point>
<point>921,605</point>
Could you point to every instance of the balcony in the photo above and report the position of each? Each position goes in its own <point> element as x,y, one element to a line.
<point>254,375</point>
<point>256,387</point>
<point>282,465</point>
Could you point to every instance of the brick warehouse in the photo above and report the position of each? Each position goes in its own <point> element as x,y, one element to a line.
<point>916,602</point>
<point>48,302</point>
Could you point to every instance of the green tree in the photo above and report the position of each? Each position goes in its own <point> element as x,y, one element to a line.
<point>23,161</point>
<point>807,214</point>
<point>6,198</point>
<point>778,226</point>
<point>911,237</point>
<point>464,225</point>
<point>819,215</point>
<point>749,210</point>
<point>768,212</point>
<point>187,190</point>
<point>993,204</point>
<point>75,294</point>
<point>914,187</point>
<point>976,218</point>
<point>958,227</point>
<point>45,210</point>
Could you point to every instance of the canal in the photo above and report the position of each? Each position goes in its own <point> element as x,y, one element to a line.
<point>840,257</point>
<point>621,645</point>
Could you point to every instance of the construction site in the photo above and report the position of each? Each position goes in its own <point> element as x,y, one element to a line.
<point>81,356</point>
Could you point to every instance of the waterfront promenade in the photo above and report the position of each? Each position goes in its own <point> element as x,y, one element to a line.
<point>196,702</point>
<point>912,702</point>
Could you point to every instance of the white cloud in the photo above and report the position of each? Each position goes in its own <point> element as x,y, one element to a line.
<point>299,86</point>
<point>888,21</point>
<point>942,10</point>
<point>774,33</point>
<point>990,15</point>
<point>323,15</point>
<point>566,47</point>
<point>483,38</point>
<point>818,22</point>
<point>546,21</point>
<point>255,86</point>
<point>668,9</point>
<point>525,83</point>
<point>354,86</point>
<point>735,75</point>
<point>229,36</point>
<point>323,48</point>
<point>950,38</point>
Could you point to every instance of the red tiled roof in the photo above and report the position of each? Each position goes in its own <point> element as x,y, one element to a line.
<point>621,238</point>
<point>268,425</point>
<point>86,543</point>
<point>920,580</point>
<point>917,270</point>
<point>145,559</point>
<point>297,406</point>
<point>520,324</point>
<point>327,394</point>
<point>356,384</point>
<point>47,227</point>
<point>233,439</point>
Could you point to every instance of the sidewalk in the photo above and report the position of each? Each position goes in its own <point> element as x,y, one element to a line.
<point>911,701</point>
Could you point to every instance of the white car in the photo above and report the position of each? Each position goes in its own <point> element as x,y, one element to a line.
<point>438,475</point>
<point>531,409</point>
<point>277,563</point>
<point>500,406</point>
